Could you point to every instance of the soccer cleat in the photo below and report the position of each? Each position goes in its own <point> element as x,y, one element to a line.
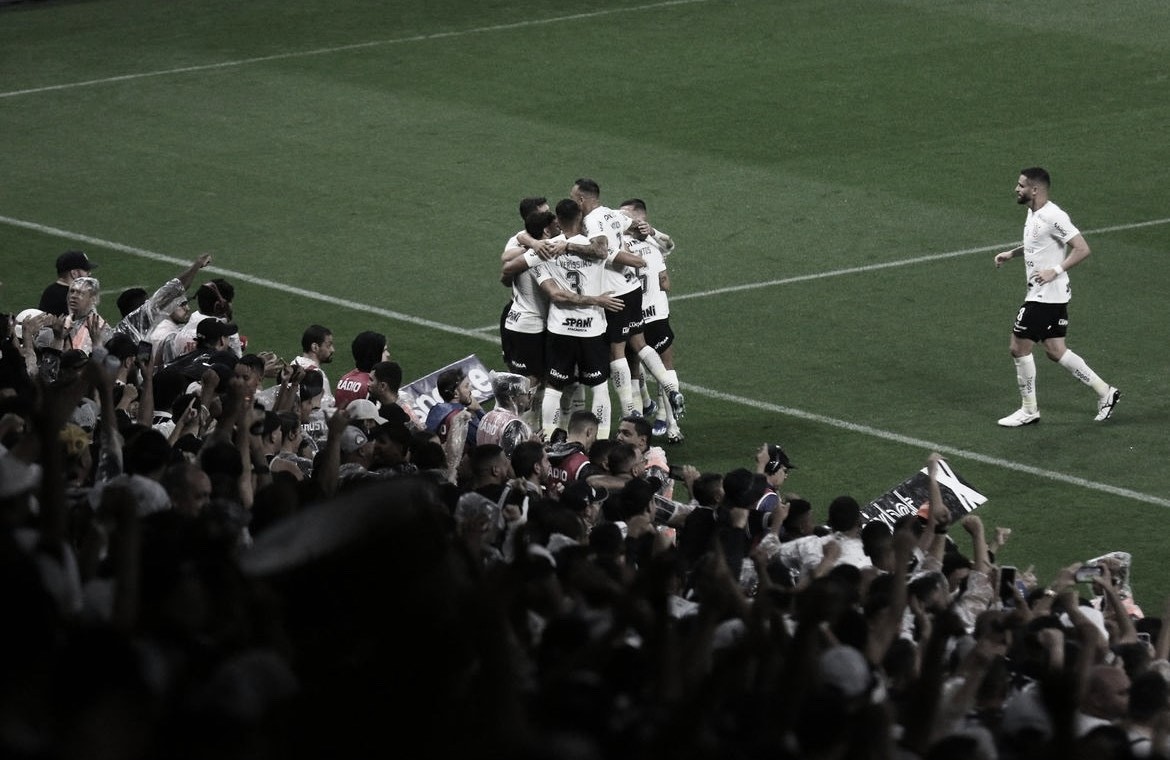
<point>1019,418</point>
<point>677,404</point>
<point>675,437</point>
<point>1106,403</point>
<point>659,427</point>
<point>650,409</point>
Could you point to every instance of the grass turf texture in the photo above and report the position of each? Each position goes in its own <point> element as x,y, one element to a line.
<point>374,153</point>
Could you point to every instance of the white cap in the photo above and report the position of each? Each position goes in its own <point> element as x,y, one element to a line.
<point>363,409</point>
<point>26,314</point>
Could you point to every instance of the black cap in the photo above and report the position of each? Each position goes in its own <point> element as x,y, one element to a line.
<point>777,459</point>
<point>211,329</point>
<point>74,260</point>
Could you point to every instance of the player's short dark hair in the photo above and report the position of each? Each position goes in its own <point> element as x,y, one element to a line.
<point>530,204</point>
<point>588,187</point>
<point>568,211</point>
<point>1037,175</point>
<point>535,223</point>
<point>314,334</point>
<point>637,203</point>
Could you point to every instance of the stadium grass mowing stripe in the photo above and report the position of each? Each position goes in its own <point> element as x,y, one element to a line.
<point>345,48</point>
<point>689,387</point>
<point>243,277</point>
<point>874,267</point>
<point>892,264</point>
<point>885,435</point>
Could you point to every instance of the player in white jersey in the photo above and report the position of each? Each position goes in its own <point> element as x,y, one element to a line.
<point>522,331</point>
<point>576,347</point>
<point>1052,245</point>
<point>516,246</point>
<point>656,332</point>
<point>607,230</point>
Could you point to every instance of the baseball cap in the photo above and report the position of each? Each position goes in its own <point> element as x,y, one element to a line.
<point>211,329</point>
<point>579,494</point>
<point>363,409</point>
<point>74,260</point>
<point>352,439</point>
<point>777,459</point>
<point>23,315</point>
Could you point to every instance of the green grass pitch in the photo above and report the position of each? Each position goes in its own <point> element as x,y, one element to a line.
<point>837,175</point>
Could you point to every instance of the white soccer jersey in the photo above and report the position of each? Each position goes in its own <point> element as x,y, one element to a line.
<point>611,224</point>
<point>583,276</point>
<point>655,305</point>
<point>529,305</point>
<point>1047,231</point>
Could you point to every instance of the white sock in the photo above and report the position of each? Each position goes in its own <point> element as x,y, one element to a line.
<point>671,422</point>
<point>603,408</point>
<point>1026,380</point>
<point>550,411</point>
<point>643,386</point>
<point>665,413</point>
<point>619,376</point>
<point>1076,365</point>
<point>577,402</point>
<point>654,363</point>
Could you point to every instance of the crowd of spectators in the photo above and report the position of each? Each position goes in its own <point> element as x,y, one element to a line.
<point>202,557</point>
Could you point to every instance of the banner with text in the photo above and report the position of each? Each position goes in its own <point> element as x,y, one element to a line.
<point>423,393</point>
<point>905,499</point>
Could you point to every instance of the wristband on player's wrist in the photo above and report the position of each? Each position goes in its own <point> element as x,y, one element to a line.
<point>1059,269</point>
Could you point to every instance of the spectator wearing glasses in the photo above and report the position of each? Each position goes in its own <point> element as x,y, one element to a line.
<point>140,314</point>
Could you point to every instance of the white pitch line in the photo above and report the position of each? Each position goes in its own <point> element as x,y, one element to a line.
<point>892,264</point>
<point>690,388</point>
<point>873,267</point>
<point>344,48</point>
<point>243,277</point>
<point>886,435</point>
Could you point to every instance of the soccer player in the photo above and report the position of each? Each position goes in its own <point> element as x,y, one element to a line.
<point>654,346</point>
<point>576,345</point>
<point>522,329</point>
<point>1052,245</point>
<point>612,230</point>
